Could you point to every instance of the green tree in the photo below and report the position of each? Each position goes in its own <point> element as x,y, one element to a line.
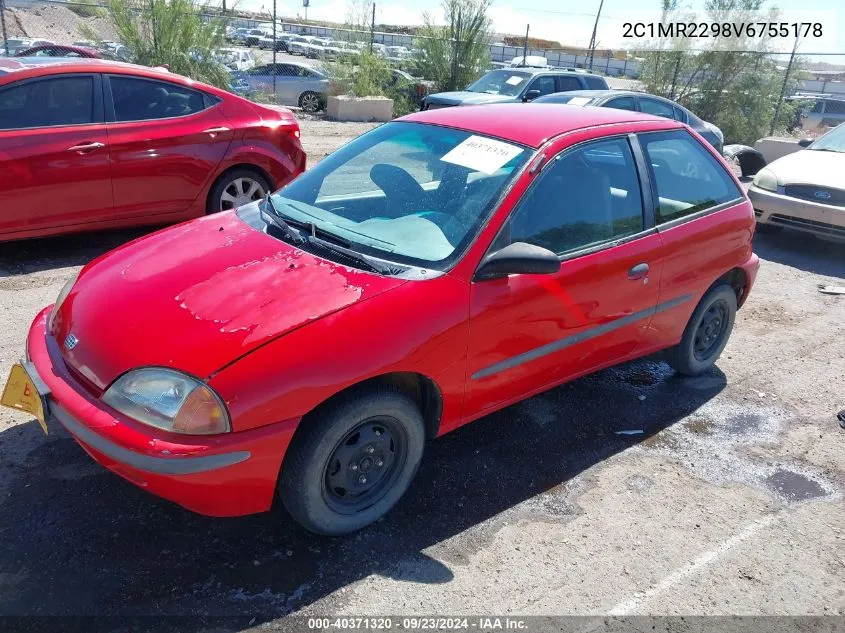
<point>456,54</point>
<point>171,33</point>
<point>734,83</point>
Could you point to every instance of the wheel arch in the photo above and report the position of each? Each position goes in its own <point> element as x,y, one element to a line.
<point>737,279</point>
<point>251,166</point>
<point>423,390</point>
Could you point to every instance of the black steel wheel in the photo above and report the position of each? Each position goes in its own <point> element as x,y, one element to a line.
<point>352,460</point>
<point>706,333</point>
<point>365,464</point>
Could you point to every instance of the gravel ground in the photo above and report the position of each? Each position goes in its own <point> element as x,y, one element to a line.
<point>726,499</point>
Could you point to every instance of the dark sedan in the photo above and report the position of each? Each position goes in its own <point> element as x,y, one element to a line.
<point>639,102</point>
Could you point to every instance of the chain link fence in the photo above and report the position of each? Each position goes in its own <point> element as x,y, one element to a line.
<point>268,64</point>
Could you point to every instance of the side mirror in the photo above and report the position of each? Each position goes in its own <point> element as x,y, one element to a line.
<point>518,258</point>
<point>531,95</point>
<point>805,142</point>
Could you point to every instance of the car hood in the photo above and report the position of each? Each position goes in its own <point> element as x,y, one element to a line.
<point>467,98</point>
<point>197,296</point>
<point>810,167</point>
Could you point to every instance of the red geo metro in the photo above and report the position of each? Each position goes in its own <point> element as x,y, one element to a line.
<point>434,270</point>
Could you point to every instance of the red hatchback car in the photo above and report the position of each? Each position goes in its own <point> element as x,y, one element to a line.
<point>91,144</point>
<point>435,269</point>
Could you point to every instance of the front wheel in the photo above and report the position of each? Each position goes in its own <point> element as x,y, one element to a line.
<point>310,101</point>
<point>348,467</point>
<point>706,334</point>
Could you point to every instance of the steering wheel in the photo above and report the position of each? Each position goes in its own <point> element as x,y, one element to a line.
<point>404,194</point>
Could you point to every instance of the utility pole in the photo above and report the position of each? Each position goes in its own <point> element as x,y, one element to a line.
<point>593,38</point>
<point>525,46</point>
<point>3,26</point>
<point>274,49</point>
<point>373,28</point>
<point>783,86</point>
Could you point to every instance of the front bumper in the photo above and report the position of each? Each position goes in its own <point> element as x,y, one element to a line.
<point>795,213</point>
<point>221,475</point>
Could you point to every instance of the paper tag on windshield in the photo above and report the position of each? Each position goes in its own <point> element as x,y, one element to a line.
<point>482,154</point>
<point>579,100</point>
<point>515,80</point>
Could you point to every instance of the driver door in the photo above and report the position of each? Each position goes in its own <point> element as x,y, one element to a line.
<point>531,332</point>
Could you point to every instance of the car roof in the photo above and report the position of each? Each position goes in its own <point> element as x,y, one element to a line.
<point>536,70</point>
<point>536,124</point>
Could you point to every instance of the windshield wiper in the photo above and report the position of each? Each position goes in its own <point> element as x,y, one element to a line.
<point>374,265</point>
<point>276,220</point>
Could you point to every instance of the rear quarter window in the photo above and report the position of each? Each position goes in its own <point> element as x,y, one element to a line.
<point>687,177</point>
<point>595,83</point>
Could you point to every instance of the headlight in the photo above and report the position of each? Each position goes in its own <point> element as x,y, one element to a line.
<point>169,400</point>
<point>766,179</point>
<point>63,293</point>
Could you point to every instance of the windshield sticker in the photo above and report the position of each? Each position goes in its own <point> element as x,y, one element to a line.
<point>482,154</point>
<point>579,101</point>
<point>515,80</point>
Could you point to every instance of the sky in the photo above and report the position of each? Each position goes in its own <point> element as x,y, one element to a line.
<point>572,23</point>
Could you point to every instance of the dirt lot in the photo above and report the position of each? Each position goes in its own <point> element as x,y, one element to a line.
<point>726,499</point>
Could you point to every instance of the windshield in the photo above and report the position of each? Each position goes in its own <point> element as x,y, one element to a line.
<point>501,82</point>
<point>406,192</point>
<point>833,141</point>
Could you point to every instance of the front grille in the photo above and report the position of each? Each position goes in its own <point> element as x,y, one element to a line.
<point>808,225</point>
<point>836,197</point>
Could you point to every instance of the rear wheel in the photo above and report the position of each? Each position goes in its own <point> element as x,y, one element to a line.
<point>310,101</point>
<point>237,188</point>
<point>350,465</point>
<point>706,334</point>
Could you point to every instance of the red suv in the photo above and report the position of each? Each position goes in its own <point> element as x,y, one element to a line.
<point>90,144</point>
<point>434,270</point>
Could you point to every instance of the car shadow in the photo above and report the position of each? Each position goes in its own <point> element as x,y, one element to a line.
<point>802,251</point>
<point>79,540</point>
<point>48,253</point>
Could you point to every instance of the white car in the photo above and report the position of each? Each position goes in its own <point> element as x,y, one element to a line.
<point>237,58</point>
<point>804,190</point>
<point>299,44</point>
<point>316,48</point>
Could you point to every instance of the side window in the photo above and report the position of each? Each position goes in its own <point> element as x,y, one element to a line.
<point>597,83</point>
<point>680,115</point>
<point>47,103</point>
<point>818,106</point>
<point>657,108</point>
<point>546,85</point>
<point>588,195</point>
<point>622,103</point>
<point>144,99</point>
<point>688,178</point>
<point>834,107</point>
<point>565,84</point>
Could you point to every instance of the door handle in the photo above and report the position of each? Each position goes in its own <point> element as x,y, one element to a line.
<point>84,148</point>
<point>214,131</point>
<point>638,272</point>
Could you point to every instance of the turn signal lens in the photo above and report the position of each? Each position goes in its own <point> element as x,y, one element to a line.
<point>202,414</point>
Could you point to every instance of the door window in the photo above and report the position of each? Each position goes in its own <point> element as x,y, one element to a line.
<point>622,103</point>
<point>565,84</point>
<point>588,195</point>
<point>47,103</point>
<point>688,178</point>
<point>144,99</point>
<point>657,108</point>
<point>546,85</point>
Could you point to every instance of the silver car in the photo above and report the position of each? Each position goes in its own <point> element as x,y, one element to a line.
<point>296,84</point>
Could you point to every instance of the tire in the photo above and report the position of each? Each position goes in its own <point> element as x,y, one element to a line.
<point>224,196</point>
<point>320,483</point>
<point>310,101</point>
<point>706,334</point>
